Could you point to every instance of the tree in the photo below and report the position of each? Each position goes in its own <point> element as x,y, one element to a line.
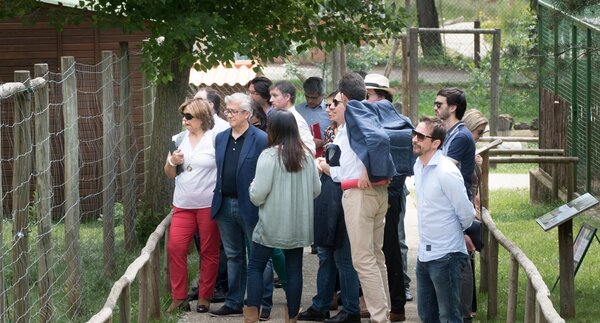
<point>431,43</point>
<point>204,33</point>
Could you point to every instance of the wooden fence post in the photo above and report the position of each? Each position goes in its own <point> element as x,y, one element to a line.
<point>128,191</point>
<point>405,76</point>
<point>155,283</point>
<point>484,200</point>
<point>495,83</point>
<point>125,304</point>
<point>567,276</point>
<point>108,164</point>
<point>413,70</point>
<point>20,183</point>
<point>44,194</point>
<point>71,170</point>
<point>148,110</point>
<point>492,278</point>
<point>529,302</point>
<point>144,293</point>
<point>513,289</point>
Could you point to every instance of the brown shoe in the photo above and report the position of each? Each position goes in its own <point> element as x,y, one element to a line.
<point>397,317</point>
<point>250,314</point>
<point>179,304</point>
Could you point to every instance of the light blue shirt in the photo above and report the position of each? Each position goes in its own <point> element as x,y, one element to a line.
<point>443,208</point>
<point>313,116</point>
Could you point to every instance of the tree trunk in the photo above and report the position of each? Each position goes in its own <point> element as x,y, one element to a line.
<point>167,122</point>
<point>431,43</point>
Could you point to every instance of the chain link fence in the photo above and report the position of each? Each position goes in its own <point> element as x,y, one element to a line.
<point>569,53</point>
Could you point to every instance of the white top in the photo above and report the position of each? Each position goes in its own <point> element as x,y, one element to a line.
<point>195,185</point>
<point>350,165</point>
<point>443,208</point>
<point>305,133</point>
<point>220,124</point>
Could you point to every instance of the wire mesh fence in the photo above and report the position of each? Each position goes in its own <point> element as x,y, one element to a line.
<point>52,177</point>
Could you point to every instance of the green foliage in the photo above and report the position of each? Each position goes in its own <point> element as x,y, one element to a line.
<point>118,214</point>
<point>184,32</point>
<point>363,58</point>
<point>146,222</point>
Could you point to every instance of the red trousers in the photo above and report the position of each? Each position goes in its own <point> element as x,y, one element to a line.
<point>185,223</point>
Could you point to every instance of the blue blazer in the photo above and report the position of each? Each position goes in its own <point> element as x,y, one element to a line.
<point>367,138</point>
<point>254,143</point>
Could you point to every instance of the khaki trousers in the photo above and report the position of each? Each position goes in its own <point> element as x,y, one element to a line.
<point>364,213</point>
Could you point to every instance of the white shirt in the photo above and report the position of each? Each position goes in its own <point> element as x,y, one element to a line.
<point>350,165</point>
<point>220,124</point>
<point>443,208</point>
<point>305,133</point>
<point>195,185</point>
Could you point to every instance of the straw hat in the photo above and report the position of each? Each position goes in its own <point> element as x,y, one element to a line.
<point>378,82</point>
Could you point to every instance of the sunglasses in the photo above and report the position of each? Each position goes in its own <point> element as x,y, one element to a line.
<point>420,136</point>
<point>187,116</point>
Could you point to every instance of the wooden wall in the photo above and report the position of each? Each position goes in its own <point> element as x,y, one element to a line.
<point>22,46</point>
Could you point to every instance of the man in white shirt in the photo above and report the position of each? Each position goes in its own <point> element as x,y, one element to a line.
<point>283,96</point>
<point>365,205</point>
<point>212,96</point>
<point>444,212</point>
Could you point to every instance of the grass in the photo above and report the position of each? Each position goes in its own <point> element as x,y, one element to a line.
<point>520,102</point>
<point>96,286</point>
<point>515,217</point>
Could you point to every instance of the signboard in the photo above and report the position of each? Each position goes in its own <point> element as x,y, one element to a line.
<point>586,234</point>
<point>566,211</point>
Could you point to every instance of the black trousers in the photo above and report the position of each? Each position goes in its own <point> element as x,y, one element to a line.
<point>391,250</point>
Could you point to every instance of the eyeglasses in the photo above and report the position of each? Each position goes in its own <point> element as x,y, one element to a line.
<point>187,116</point>
<point>437,104</point>
<point>232,112</point>
<point>333,104</point>
<point>420,136</point>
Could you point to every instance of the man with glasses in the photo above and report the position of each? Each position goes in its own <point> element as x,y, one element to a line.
<point>450,106</point>
<point>365,160</point>
<point>258,90</point>
<point>236,153</point>
<point>313,111</point>
<point>444,212</point>
<point>283,96</point>
<point>212,96</point>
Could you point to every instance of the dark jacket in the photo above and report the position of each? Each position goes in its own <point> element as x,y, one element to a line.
<point>367,138</point>
<point>329,225</point>
<point>254,143</point>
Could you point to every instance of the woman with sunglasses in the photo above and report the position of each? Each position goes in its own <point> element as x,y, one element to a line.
<point>284,194</point>
<point>194,184</point>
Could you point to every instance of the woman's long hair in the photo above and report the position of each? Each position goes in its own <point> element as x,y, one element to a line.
<point>283,132</point>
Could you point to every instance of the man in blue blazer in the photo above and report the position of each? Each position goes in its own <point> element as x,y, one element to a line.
<point>236,151</point>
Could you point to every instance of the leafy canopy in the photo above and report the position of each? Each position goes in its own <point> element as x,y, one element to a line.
<point>205,33</point>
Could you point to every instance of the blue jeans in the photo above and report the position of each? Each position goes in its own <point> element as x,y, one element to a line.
<point>438,285</point>
<point>332,261</point>
<point>234,233</point>
<point>293,263</point>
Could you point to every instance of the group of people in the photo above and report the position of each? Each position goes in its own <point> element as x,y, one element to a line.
<point>277,177</point>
